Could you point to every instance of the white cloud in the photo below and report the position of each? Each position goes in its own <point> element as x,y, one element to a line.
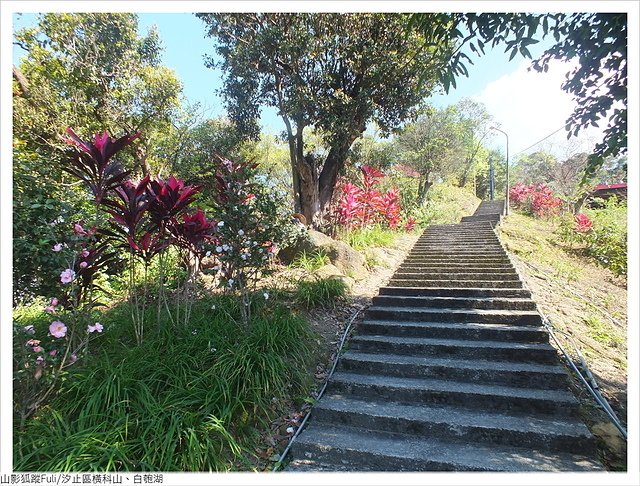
<point>529,106</point>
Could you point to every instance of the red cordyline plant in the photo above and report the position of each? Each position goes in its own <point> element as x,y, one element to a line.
<point>358,207</point>
<point>93,165</point>
<point>536,199</point>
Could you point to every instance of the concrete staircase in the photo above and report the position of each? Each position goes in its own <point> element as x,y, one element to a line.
<point>451,370</point>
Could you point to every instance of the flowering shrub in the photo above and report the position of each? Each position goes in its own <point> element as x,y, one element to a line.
<point>359,207</point>
<point>602,235</point>
<point>252,224</point>
<point>535,199</point>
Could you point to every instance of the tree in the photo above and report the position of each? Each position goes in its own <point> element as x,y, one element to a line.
<point>426,143</point>
<point>331,72</point>
<point>92,72</point>
<point>597,40</point>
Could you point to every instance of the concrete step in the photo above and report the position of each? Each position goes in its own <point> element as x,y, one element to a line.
<point>457,424</point>
<point>448,283</point>
<point>449,330</point>
<point>540,353</point>
<point>454,302</point>
<point>427,391</point>
<point>457,267</point>
<point>429,260</point>
<point>432,274</point>
<point>426,314</point>
<point>516,374</point>
<point>341,448</point>
<point>456,292</point>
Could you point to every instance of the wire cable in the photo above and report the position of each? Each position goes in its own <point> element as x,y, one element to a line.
<point>539,141</point>
<point>324,387</point>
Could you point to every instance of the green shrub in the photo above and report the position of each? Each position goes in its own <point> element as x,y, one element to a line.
<point>321,292</point>
<point>606,241</point>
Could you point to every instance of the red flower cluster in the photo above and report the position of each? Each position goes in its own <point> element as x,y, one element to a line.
<point>583,223</point>
<point>537,199</point>
<point>362,206</point>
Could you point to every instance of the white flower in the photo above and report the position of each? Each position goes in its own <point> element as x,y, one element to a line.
<point>207,254</point>
<point>244,256</point>
<point>240,232</point>
<point>225,247</point>
<point>230,282</point>
<point>29,329</point>
<point>290,430</point>
<point>220,224</point>
<point>218,249</point>
<point>195,331</point>
<point>213,307</point>
<point>266,295</point>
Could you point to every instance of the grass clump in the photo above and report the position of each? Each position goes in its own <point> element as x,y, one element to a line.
<point>186,399</point>
<point>312,261</point>
<point>322,292</point>
<point>375,236</point>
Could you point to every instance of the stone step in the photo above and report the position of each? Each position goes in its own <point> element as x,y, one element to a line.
<point>455,302</point>
<point>516,374</point>
<point>463,252</point>
<point>457,424</point>
<point>427,260</point>
<point>433,274</point>
<point>457,267</point>
<point>455,292</point>
<point>341,448</point>
<point>449,330</point>
<point>540,353</point>
<point>427,391</point>
<point>448,283</point>
<point>425,314</point>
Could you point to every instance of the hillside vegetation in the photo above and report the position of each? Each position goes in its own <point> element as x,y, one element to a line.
<point>584,300</point>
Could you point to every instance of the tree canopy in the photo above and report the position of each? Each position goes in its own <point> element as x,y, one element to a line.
<point>597,40</point>
<point>332,72</point>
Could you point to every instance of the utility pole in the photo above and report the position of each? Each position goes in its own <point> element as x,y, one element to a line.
<point>506,196</point>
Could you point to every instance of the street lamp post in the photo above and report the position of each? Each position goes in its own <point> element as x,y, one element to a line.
<point>506,197</point>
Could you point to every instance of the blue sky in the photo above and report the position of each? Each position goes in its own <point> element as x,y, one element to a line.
<point>529,106</point>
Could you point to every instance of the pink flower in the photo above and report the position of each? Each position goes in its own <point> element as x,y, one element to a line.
<point>57,247</point>
<point>38,349</point>
<point>73,358</point>
<point>83,264</point>
<point>54,302</point>
<point>97,327</point>
<point>57,329</point>
<point>53,352</point>
<point>39,360</point>
<point>84,253</point>
<point>77,227</point>
<point>50,309</point>
<point>33,342</point>
<point>67,276</point>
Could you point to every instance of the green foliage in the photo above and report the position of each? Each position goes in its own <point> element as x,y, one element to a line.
<point>320,292</point>
<point>331,72</point>
<point>311,262</point>
<point>182,401</point>
<point>375,236</point>
<point>597,39</point>
<point>602,332</point>
<point>446,204</point>
<point>606,242</point>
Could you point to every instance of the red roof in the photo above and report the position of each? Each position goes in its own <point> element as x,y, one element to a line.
<point>610,186</point>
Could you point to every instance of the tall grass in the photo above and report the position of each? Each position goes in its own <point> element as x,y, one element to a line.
<point>323,292</point>
<point>361,239</point>
<point>184,400</point>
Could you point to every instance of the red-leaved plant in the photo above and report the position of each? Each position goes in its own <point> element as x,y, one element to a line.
<point>360,207</point>
<point>535,199</point>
